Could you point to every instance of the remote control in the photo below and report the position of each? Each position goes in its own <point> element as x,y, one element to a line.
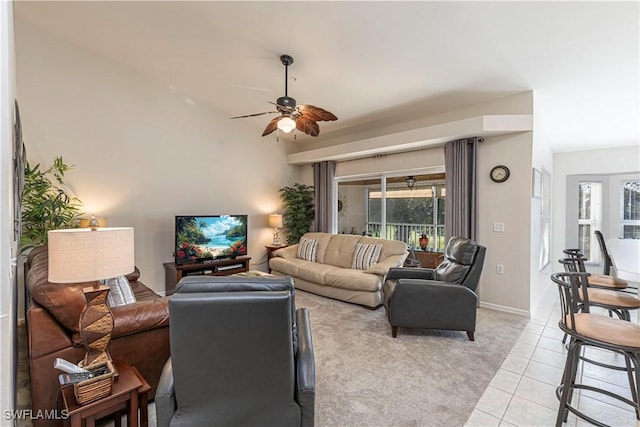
<point>74,378</point>
<point>67,366</point>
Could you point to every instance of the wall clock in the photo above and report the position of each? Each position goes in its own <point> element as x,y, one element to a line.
<point>499,173</point>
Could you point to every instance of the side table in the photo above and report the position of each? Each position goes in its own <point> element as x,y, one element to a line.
<point>428,259</point>
<point>270,250</point>
<point>130,392</point>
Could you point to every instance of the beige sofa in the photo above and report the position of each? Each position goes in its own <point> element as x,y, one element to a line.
<point>331,274</point>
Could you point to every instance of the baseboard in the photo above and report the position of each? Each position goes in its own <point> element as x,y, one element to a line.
<point>505,309</point>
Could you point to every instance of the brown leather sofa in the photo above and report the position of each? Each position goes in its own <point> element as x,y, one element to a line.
<point>140,336</point>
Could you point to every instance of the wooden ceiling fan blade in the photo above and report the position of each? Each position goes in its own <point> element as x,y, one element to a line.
<point>308,126</point>
<point>316,113</point>
<point>254,115</point>
<point>271,126</point>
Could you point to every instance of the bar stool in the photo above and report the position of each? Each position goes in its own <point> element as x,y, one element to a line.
<point>607,258</point>
<point>604,281</point>
<point>587,329</point>
<point>618,303</point>
<point>608,261</point>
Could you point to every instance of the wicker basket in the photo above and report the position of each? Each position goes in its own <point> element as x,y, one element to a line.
<point>94,388</point>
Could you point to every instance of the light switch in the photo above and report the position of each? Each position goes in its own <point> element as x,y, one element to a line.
<point>498,227</point>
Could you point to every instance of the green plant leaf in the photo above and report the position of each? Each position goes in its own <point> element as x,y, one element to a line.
<point>297,201</point>
<point>45,205</point>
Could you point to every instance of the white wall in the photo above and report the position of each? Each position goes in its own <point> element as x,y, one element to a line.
<point>542,160</point>
<point>508,203</point>
<point>7,244</point>
<point>142,151</point>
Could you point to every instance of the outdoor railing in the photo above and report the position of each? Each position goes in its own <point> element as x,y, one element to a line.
<point>410,234</point>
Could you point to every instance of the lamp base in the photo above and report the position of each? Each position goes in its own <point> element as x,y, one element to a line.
<point>276,238</point>
<point>96,325</point>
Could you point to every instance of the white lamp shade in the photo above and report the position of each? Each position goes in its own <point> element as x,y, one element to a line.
<point>79,255</point>
<point>286,124</point>
<point>275,221</point>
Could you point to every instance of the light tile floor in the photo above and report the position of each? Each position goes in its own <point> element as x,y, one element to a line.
<point>522,393</point>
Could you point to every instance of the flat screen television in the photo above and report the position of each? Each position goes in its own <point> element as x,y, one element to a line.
<point>210,237</point>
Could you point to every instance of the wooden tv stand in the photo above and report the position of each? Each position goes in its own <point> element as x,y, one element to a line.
<point>219,267</point>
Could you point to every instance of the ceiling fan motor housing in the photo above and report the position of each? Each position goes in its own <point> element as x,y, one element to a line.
<point>286,101</point>
<point>286,60</point>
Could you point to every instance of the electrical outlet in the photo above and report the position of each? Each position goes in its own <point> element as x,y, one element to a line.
<point>498,227</point>
<point>499,269</point>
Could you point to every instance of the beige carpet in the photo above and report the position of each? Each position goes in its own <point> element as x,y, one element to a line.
<point>364,377</point>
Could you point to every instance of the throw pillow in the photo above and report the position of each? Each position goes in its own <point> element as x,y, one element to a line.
<point>365,255</point>
<point>307,249</point>
<point>120,293</point>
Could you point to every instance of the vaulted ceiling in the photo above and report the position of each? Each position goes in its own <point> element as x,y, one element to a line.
<point>370,62</point>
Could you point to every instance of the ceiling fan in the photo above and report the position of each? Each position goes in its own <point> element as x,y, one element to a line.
<point>292,116</point>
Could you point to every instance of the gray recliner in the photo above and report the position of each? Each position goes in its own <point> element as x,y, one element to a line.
<point>440,298</point>
<point>241,355</point>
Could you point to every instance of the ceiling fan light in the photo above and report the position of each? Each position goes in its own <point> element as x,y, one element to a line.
<point>286,124</point>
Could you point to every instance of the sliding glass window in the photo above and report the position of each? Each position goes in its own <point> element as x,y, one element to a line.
<point>398,208</point>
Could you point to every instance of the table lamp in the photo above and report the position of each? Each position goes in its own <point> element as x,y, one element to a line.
<point>275,222</point>
<point>83,255</point>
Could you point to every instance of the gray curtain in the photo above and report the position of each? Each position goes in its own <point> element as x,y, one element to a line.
<point>323,177</point>
<point>461,204</point>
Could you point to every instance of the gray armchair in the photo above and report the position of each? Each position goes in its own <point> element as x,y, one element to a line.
<point>440,298</point>
<point>241,355</point>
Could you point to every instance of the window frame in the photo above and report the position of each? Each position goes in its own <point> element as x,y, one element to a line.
<point>623,221</point>
<point>595,218</point>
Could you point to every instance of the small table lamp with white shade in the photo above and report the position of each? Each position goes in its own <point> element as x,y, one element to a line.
<point>81,255</point>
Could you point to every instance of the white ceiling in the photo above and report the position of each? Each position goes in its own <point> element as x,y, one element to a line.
<point>367,61</point>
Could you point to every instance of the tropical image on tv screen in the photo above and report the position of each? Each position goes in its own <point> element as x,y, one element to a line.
<point>209,237</point>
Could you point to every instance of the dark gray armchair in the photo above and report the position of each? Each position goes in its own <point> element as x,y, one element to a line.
<point>241,355</point>
<point>440,298</point>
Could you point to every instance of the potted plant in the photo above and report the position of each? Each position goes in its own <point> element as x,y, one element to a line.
<point>46,203</point>
<point>299,211</point>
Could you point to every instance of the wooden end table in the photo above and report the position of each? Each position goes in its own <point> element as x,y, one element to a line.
<point>270,250</point>
<point>427,259</point>
<point>130,392</point>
